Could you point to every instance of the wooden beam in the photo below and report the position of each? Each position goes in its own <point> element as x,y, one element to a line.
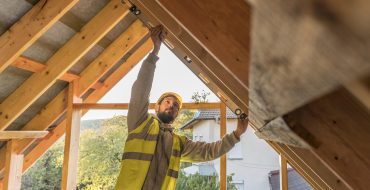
<point>72,139</point>
<point>6,135</point>
<point>278,131</point>
<point>36,67</point>
<point>30,27</point>
<point>59,131</point>
<point>223,175</point>
<point>283,173</point>
<point>317,180</point>
<point>338,127</point>
<point>282,66</point>
<point>123,106</point>
<point>185,46</point>
<point>60,62</point>
<point>361,90</point>
<point>223,32</point>
<point>28,64</point>
<point>13,167</point>
<point>318,175</point>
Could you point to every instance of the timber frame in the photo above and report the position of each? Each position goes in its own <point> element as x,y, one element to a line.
<point>299,69</point>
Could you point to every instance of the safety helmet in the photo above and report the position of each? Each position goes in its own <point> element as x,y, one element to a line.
<point>173,94</point>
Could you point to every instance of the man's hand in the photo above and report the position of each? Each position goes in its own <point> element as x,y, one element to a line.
<point>157,34</point>
<point>241,128</point>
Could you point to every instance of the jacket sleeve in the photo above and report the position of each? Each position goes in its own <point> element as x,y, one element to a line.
<point>139,102</point>
<point>202,151</point>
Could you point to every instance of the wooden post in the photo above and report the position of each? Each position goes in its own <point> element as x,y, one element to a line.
<point>72,139</point>
<point>283,173</point>
<point>223,157</point>
<point>13,167</point>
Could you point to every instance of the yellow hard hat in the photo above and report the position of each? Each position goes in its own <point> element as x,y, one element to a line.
<point>173,94</point>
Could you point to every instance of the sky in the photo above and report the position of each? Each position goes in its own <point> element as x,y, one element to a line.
<point>170,75</point>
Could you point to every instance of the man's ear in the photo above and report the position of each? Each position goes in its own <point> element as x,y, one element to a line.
<point>156,108</point>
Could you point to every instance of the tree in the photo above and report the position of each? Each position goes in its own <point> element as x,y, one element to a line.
<point>200,97</point>
<point>199,182</point>
<point>100,154</point>
<point>46,173</point>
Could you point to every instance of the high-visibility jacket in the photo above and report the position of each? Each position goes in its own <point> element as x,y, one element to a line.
<point>139,150</point>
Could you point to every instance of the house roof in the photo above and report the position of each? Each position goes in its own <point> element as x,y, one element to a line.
<point>207,115</point>
<point>295,181</point>
<point>202,169</point>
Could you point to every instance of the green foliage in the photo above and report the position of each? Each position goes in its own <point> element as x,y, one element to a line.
<point>199,182</point>
<point>101,147</point>
<point>100,154</point>
<point>46,173</point>
<point>200,97</point>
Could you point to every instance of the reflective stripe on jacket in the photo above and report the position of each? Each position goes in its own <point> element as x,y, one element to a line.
<point>139,150</point>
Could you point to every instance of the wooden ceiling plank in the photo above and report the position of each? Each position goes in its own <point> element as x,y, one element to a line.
<point>30,27</point>
<point>208,64</point>
<point>7,135</point>
<point>61,62</point>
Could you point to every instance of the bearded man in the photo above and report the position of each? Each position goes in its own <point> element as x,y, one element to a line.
<point>152,153</point>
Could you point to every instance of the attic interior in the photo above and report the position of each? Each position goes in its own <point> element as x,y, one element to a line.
<point>300,69</point>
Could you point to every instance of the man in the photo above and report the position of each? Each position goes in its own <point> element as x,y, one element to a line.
<point>152,152</point>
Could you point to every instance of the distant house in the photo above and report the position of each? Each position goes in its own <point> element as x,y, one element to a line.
<point>252,161</point>
<point>295,181</point>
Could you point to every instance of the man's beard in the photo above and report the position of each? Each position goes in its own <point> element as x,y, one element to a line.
<point>165,117</point>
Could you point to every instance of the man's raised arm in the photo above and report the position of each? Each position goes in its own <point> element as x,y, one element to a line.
<point>139,102</point>
<point>202,151</point>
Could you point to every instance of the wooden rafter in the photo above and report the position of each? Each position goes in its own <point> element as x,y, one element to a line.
<point>61,61</point>
<point>337,126</point>
<point>36,67</point>
<point>201,60</point>
<point>57,106</point>
<point>228,26</point>
<point>6,135</point>
<point>309,167</point>
<point>30,27</point>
